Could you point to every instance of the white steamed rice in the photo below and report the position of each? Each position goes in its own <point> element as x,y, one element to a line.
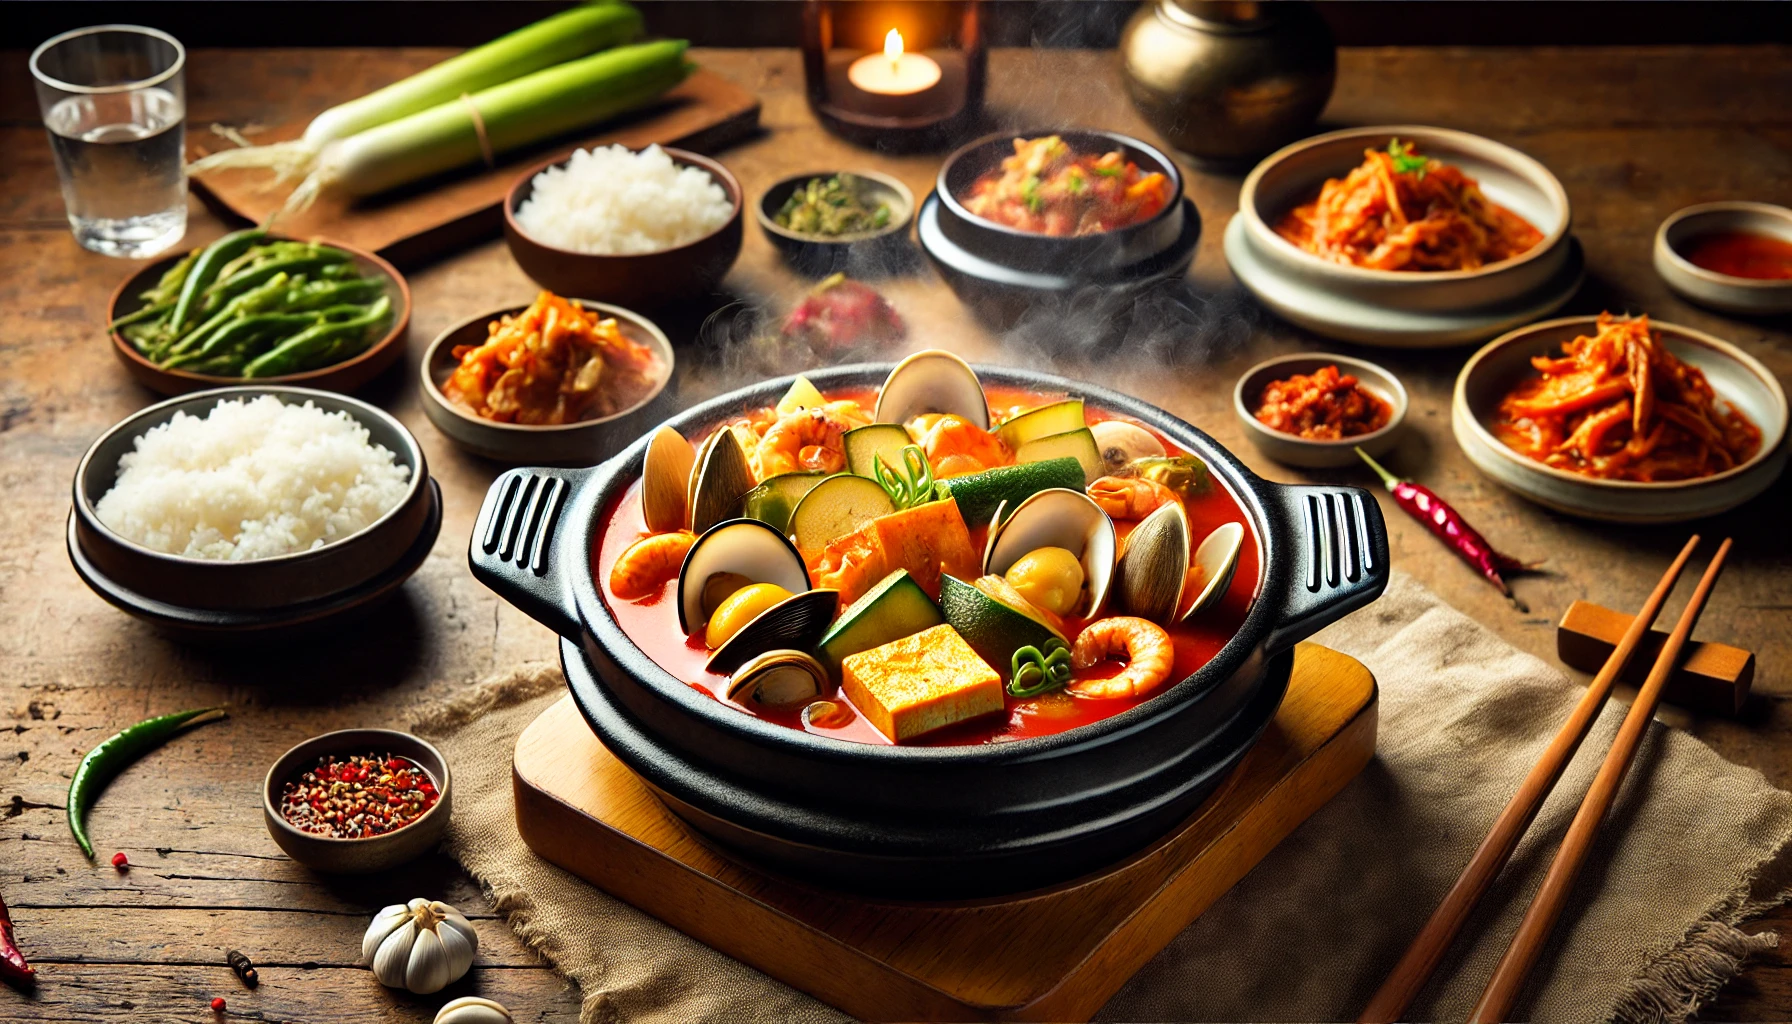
<point>611,201</point>
<point>253,479</point>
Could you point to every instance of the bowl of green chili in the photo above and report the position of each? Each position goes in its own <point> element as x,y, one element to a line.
<point>828,222</point>
<point>260,308</point>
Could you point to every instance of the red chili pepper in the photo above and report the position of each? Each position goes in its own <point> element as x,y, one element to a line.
<point>119,860</point>
<point>218,1004</point>
<point>13,967</point>
<point>1447,525</point>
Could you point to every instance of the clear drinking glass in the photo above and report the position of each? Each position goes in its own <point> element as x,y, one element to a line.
<point>114,100</point>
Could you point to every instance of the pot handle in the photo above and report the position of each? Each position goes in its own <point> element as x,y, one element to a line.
<point>1339,554</point>
<point>512,549</point>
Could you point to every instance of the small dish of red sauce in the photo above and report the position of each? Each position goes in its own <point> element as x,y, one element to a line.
<point>1744,254</point>
<point>1325,405</point>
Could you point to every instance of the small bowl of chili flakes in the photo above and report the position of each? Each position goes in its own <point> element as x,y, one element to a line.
<point>357,800</point>
<point>1313,409</point>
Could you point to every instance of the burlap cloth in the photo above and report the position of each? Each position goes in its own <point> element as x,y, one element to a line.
<point>1694,845</point>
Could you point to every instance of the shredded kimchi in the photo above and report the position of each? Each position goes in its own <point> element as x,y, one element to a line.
<point>553,363</point>
<point>1402,211</point>
<point>1617,405</point>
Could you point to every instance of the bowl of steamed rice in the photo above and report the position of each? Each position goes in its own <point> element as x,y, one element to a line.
<point>638,228</point>
<point>250,498</point>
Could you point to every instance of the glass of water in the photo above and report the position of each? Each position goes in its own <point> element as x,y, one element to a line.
<point>114,100</point>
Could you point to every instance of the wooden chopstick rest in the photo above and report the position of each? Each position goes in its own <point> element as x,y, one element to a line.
<point>1713,678</point>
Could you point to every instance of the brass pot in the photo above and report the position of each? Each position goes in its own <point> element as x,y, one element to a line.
<point>1227,82</point>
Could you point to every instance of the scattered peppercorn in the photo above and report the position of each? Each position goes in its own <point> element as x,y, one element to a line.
<point>358,797</point>
<point>218,1004</point>
<point>243,968</point>
<point>120,861</point>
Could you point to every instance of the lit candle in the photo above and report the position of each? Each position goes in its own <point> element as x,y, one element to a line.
<point>892,72</point>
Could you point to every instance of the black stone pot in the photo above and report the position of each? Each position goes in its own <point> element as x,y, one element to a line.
<point>930,822</point>
<point>1005,275</point>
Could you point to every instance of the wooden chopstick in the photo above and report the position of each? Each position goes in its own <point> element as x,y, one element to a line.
<point>1396,993</point>
<point>1509,977</point>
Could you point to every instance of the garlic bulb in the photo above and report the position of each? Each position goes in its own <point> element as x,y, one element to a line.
<point>473,1010</point>
<point>422,945</point>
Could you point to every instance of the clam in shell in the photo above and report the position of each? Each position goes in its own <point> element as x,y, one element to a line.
<point>666,481</point>
<point>798,622</point>
<point>934,381</point>
<point>730,556</point>
<point>1154,568</point>
<point>1121,442</point>
<point>1217,558</point>
<point>778,678</point>
<point>1061,518</point>
<point>722,479</point>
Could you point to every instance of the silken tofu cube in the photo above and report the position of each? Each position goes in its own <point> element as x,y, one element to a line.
<point>920,683</point>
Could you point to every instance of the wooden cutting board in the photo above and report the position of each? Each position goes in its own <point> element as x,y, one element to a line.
<point>1055,955</point>
<point>417,224</point>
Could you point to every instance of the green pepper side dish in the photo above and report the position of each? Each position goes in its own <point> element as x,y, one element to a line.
<point>222,309</point>
<point>103,763</point>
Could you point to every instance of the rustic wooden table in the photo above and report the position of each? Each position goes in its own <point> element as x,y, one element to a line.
<point>1634,134</point>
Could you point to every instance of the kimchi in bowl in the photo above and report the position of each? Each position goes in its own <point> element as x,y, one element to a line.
<point>1738,381</point>
<point>976,815</point>
<point>1295,175</point>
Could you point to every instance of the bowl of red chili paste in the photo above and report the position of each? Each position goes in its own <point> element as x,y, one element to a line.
<point>1314,409</point>
<point>1731,256</point>
<point>357,800</point>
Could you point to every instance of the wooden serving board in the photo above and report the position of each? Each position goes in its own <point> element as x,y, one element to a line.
<point>418,224</point>
<point>1051,955</point>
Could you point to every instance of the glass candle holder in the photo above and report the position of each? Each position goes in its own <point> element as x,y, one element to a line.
<point>897,76</point>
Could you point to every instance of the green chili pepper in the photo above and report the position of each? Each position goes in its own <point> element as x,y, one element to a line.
<point>205,271</point>
<point>253,301</point>
<point>146,313</point>
<point>254,276</point>
<point>104,762</point>
<point>313,341</point>
<point>168,287</point>
<point>1036,671</point>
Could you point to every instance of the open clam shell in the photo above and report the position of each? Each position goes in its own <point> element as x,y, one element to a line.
<point>1061,518</point>
<point>666,481</point>
<point>1218,559</point>
<point>934,381</point>
<point>1121,442</point>
<point>796,623</point>
<point>778,678</point>
<point>1154,567</point>
<point>722,479</point>
<point>740,551</point>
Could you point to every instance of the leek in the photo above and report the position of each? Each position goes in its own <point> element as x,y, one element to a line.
<point>514,114</point>
<point>565,36</point>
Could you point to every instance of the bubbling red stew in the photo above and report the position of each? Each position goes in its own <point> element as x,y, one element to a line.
<point>927,563</point>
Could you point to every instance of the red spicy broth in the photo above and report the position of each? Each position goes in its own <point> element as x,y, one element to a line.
<point>652,622</point>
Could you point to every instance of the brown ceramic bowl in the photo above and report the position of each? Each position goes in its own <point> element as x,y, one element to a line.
<point>358,856</point>
<point>585,443</point>
<point>635,280</point>
<point>344,376</point>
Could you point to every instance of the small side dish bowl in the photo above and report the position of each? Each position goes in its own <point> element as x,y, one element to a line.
<point>250,585</point>
<point>1737,378</point>
<point>1305,452</point>
<point>861,253</point>
<point>345,376</point>
<point>1402,308</point>
<point>645,280</point>
<point>584,443</point>
<point>375,853</point>
<point>1746,296</point>
<point>1003,273</point>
